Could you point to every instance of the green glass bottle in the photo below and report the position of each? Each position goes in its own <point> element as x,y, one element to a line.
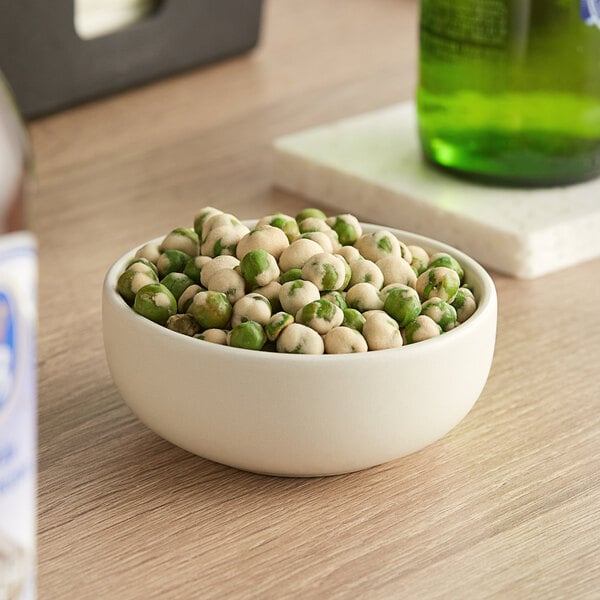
<point>509,90</point>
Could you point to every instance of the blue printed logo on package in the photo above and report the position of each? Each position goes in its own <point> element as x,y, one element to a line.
<point>590,12</point>
<point>7,351</point>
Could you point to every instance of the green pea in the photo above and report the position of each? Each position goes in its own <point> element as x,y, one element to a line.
<point>402,303</point>
<point>211,309</point>
<point>308,213</point>
<point>249,335</point>
<point>290,275</point>
<point>172,260</point>
<point>155,302</point>
<point>277,323</point>
<point>177,283</point>
<point>133,279</point>
<point>353,318</point>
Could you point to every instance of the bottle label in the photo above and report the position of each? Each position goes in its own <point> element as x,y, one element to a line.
<point>18,274</point>
<point>590,12</point>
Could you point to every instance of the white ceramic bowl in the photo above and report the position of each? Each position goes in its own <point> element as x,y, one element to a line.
<point>300,415</point>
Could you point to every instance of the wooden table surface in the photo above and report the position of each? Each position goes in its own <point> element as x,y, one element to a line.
<point>505,506</point>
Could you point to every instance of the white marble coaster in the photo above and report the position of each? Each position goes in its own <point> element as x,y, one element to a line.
<point>370,165</point>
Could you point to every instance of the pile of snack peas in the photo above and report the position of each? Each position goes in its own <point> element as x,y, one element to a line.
<point>309,284</point>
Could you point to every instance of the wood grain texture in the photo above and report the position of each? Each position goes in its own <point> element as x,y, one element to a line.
<point>505,506</point>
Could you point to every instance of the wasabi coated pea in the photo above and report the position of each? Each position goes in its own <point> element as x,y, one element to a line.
<point>344,340</point>
<point>439,282</point>
<point>320,315</point>
<point>287,224</point>
<point>138,263</point>
<point>290,275</point>
<point>155,302</point>
<point>300,339</point>
<point>327,271</point>
<point>252,307</point>
<point>347,227</point>
<point>396,269</point>
<point>217,220</point>
<point>219,262</point>
<point>223,240</point>
<point>381,331</point>
<point>403,304</point>
<point>441,312</point>
<point>271,293</point>
<point>377,245</point>
<point>133,279</point>
<point>420,259</point>
<point>321,238</point>
<point>193,268</point>
<point>230,282</point>
<point>363,297</point>
<point>204,214</point>
<point>336,297</point>
<point>259,268</point>
<point>211,309</point>
<point>187,296</point>
<point>215,336</point>
<point>298,253</point>
<point>295,294</point>
<point>277,323</point>
<point>249,335</point>
<point>177,283</point>
<point>310,213</point>
<point>350,253</point>
<point>464,304</point>
<point>311,224</point>
<point>149,251</point>
<point>353,319</point>
<point>422,328</point>
<point>172,261</point>
<point>185,324</point>
<point>182,239</point>
<point>267,238</point>
<point>442,259</point>
<point>366,271</point>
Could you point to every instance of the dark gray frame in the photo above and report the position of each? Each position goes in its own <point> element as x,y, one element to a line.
<point>49,67</point>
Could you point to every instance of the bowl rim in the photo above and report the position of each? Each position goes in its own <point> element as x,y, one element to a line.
<point>485,303</point>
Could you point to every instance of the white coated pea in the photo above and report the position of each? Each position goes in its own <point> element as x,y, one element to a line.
<point>182,239</point>
<point>230,282</point>
<point>364,296</point>
<point>298,252</point>
<point>150,251</point>
<point>313,224</point>
<point>344,340</point>
<point>187,296</point>
<point>396,269</point>
<point>377,245</point>
<point>295,294</point>
<point>326,270</point>
<point>422,328</point>
<point>217,220</point>
<point>381,331</point>
<point>366,271</point>
<point>252,307</point>
<point>321,238</point>
<point>270,292</point>
<point>219,262</point>
<point>420,258</point>
<point>223,240</point>
<point>271,239</point>
<point>300,339</point>
<point>350,253</point>
<point>215,336</point>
